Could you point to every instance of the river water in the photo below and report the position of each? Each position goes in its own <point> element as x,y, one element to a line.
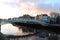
<point>9,29</point>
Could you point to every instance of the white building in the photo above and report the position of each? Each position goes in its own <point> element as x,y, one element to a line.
<point>43,17</point>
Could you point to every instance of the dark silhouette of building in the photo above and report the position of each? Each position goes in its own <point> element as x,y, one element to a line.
<point>27,16</point>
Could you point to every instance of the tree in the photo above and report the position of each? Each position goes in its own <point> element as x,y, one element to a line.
<point>58,20</point>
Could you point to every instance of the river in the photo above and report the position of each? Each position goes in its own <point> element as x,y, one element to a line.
<point>9,29</point>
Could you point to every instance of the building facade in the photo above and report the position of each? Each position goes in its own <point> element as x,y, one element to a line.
<point>43,17</point>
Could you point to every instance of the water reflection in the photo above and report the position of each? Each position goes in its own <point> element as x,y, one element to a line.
<point>9,29</point>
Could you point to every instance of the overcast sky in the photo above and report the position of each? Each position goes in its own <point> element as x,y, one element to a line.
<point>15,8</point>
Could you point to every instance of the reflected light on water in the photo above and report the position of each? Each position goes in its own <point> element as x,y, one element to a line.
<point>9,29</point>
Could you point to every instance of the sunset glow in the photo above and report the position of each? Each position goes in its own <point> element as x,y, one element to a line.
<point>9,29</point>
<point>16,8</point>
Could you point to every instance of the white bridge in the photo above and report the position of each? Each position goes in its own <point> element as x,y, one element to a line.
<point>45,25</point>
<point>31,21</point>
<point>28,21</point>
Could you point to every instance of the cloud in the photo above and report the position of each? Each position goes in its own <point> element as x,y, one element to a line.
<point>42,4</point>
<point>49,5</point>
<point>19,7</point>
<point>53,5</point>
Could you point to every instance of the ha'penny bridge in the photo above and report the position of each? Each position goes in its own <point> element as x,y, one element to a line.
<point>35,24</point>
<point>32,24</point>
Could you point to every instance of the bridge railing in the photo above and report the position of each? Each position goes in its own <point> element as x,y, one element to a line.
<point>29,20</point>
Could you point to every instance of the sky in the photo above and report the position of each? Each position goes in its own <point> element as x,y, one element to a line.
<point>16,8</point>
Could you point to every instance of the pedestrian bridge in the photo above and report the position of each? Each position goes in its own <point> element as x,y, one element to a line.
<point>31,23</point>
